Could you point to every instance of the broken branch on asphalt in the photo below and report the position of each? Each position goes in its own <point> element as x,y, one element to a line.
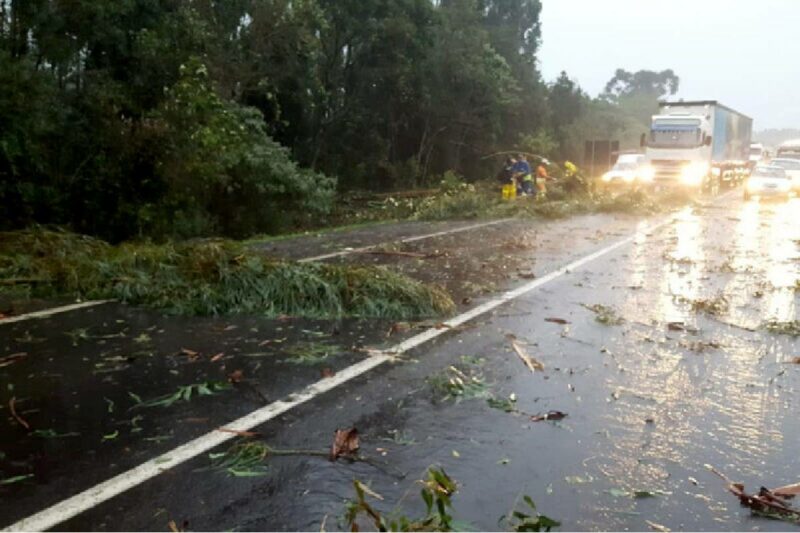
<point>532,364</point>
<point>246,458</point>
<point>768,503</point>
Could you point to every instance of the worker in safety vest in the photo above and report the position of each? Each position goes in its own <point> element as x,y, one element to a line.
<point>542,177</point>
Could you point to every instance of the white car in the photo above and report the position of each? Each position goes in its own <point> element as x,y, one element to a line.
<point>768,181</point>
<point>627,169</point>
<point>792,168</point>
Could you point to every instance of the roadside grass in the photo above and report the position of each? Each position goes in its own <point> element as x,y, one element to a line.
<point>206,277</point>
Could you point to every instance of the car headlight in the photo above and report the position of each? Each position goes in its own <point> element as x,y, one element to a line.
<point>785,185</point>
<point>606,176</point>
<point>752,185</point>
<point>647,173</point>
<point>627,177</point>
<point>693,173</point>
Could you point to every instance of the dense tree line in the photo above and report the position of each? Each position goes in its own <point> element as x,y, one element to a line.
<point>196,117</point>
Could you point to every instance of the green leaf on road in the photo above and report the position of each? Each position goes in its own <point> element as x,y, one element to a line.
<point>15,479</point>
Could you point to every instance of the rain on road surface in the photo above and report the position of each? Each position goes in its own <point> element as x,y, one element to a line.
<point>648,404</point>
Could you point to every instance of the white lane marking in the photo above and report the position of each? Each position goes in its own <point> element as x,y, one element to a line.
<point>106,490</point>
<point>52,311</point>
<point>402,241</point>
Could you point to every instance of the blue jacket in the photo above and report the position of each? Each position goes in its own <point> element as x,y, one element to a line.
<point>521,167</point>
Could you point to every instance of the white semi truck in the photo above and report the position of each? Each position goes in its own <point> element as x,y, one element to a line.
<point>699,145</point>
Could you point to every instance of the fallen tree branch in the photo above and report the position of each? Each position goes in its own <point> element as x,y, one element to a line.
<point>766,501</point>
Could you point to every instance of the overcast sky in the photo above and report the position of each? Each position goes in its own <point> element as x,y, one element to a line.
<point>744,53</point>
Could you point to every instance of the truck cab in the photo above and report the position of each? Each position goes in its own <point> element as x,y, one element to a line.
<point>679,149</point>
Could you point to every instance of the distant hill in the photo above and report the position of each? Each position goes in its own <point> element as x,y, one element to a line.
<point>774,137</point>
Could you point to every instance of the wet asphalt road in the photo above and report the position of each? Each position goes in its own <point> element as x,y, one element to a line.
<point>648,404</point>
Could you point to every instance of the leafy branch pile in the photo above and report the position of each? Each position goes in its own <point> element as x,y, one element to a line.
<point>205,278</point>
<point>437,491</point>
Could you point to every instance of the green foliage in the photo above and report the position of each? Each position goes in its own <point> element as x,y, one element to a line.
<point>530,519</point>
<point>207,277</point>
<point>162,119</point>
<point>243,459</point>
<point>456,384</point>
<point>185,394</point>
<point>656,84</point>
<point>507,405</point>
<point>437,490</point>
<point>542,142</point>
<point>310,353</point>
<point>182,119</point>
<point>220,162</point>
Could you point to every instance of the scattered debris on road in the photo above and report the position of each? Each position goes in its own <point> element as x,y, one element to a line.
<point>767,503</point>
<point>714,306</point>
<point>605,315</point>
<point>532,364</point>
<point>184,393</point>
<point>12,403</point>
<point>345,443</point>
<point>657,527</point>
<point>784,328</point>
<point>550,415</point>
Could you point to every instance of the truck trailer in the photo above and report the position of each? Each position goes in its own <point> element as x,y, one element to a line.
<point>700,145</point>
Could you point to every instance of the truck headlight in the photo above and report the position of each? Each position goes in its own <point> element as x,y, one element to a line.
<point>647,173</point>
<point>693,173</point>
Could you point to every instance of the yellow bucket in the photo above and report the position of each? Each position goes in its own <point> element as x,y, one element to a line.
<point>509,192</point>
